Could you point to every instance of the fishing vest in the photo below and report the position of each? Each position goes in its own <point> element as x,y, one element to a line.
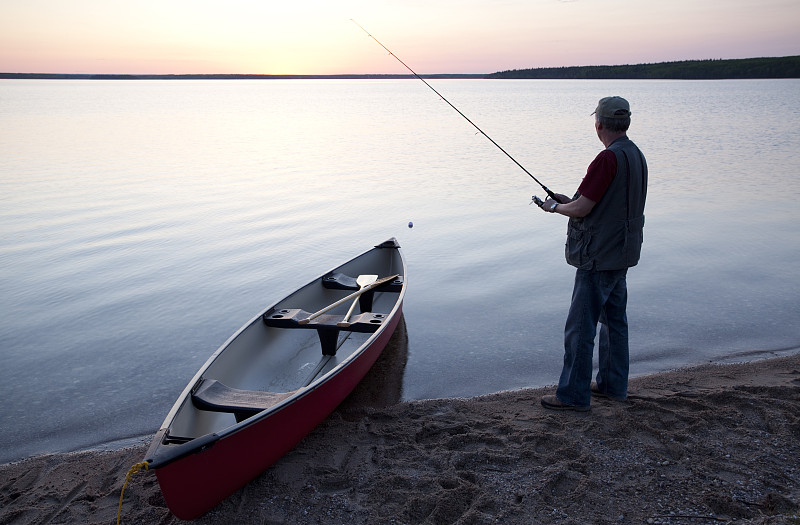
<point>610,236</point>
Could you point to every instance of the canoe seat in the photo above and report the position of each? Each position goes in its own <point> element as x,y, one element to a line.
<point>325,325</point>
<point>214,396</point>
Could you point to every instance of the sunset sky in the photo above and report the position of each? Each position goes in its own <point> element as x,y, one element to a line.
<point>432,36</point>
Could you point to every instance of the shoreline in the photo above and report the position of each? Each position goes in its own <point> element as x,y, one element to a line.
<point>382,373</point>
<point>706,444</point>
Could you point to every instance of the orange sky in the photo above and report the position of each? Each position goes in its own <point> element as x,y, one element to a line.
<point>432,36</point>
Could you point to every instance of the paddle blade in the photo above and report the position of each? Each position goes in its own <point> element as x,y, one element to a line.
<point>364,280</point>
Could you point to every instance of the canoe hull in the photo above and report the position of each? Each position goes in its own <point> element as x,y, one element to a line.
<point>194,482</point>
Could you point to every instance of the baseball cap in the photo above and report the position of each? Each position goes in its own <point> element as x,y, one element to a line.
<point>613,107</point>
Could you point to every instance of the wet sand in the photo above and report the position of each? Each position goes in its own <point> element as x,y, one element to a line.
<point>710,444</point>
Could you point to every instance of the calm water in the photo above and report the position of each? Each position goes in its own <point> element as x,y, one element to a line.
<point>141,223</point>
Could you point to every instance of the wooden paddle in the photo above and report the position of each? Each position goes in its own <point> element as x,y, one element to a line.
<point>349,297</point>
<point>362,281</point>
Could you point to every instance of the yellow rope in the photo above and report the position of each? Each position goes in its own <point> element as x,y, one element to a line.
<point>134,469</point>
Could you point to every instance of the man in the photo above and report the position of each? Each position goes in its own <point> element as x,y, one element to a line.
<point>604,239</point>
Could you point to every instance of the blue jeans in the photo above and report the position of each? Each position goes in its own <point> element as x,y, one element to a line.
<point>598,296</point>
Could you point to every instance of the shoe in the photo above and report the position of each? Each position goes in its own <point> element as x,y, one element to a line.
<point>553,403</point>
<point>597,393</point>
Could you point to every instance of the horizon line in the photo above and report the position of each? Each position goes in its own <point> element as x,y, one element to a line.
<point>10,74</point>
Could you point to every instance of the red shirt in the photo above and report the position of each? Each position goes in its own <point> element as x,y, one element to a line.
<point>599,175</point>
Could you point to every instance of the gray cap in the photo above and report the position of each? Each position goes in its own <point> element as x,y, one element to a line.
<point>613,107</point>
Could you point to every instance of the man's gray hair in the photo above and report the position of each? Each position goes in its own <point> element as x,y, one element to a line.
<point>614,124</point>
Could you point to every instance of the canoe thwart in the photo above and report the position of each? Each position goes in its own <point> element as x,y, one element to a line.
<point>326,324</point>
<point>214,396</point>
<point>340,281</point>
<point>367,322</point>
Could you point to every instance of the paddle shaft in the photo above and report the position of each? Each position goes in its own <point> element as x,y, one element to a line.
<point>349,297</point>
<point>349,312</point>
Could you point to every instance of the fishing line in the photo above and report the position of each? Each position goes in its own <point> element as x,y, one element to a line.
<point>549,193</point>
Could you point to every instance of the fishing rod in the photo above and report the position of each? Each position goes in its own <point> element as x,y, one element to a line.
<point>545,188</point>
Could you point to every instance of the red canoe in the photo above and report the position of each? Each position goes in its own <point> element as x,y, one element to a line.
<point>275,380</point>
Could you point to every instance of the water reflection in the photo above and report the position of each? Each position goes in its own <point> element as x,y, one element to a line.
<point>383,384</point>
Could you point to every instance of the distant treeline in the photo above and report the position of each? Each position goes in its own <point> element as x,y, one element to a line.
<point>778,67</point>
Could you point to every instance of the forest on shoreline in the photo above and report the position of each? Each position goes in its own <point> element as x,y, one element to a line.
<point>776,67</point>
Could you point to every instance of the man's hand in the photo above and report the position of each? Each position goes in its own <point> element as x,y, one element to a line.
<point>581,207</point>
<point>548,205</point>
<point>562,199</point>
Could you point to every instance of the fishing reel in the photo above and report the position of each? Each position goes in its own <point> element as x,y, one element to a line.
<point>537,201</point>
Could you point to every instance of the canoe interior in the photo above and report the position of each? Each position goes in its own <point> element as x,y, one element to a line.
<point>280,360</point>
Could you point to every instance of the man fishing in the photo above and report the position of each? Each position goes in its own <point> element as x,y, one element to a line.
<point>604,239</point>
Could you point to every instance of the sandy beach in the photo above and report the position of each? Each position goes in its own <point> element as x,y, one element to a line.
<point>709,444</point>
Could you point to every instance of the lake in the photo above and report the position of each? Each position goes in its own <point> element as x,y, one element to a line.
<point>143,222</point>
